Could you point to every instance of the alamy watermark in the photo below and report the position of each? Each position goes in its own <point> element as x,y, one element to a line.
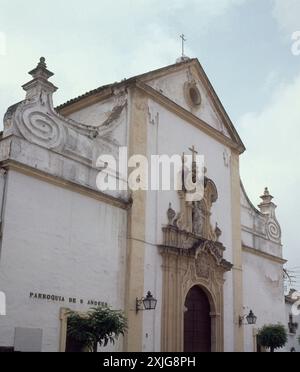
<point>296,43</point>
<point>160,172</point>
<point>2,304</point>
<point>2,44</point>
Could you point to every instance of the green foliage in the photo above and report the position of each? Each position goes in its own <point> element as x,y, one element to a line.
<point>273,337</point>
<point>100,325</point>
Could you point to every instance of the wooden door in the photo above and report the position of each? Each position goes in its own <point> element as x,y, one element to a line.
<point>197,322</point>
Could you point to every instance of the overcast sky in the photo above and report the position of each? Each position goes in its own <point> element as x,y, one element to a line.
<point>245,46</point>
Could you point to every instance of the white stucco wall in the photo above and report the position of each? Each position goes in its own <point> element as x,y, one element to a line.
<point>171,135</point>
<point>293,338</point>
<point>262,272</point>
<point>263,294</point>
<point>97,114</point>
<point>57,242</point>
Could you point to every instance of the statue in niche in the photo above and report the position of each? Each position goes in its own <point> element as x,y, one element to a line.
<point>195,214</point>
<point>202,212</point>
<point>198,218</point>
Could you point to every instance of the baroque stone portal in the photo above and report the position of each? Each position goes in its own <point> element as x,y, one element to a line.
<point>192,256</point>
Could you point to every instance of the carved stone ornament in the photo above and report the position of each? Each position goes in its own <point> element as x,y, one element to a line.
<point>195,217</point>
<point>192,256</point>
<point>273,230</point>
<point>171,214</point>
<point>272,227</point>
<point>189,261</point>
<point>36,120</point>
<point>192,94</point>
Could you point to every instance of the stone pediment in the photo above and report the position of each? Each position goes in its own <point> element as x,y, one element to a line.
<point>188,86</point>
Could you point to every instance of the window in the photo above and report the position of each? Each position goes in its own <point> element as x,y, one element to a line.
<point>195,96</point>
<point>192,94</point>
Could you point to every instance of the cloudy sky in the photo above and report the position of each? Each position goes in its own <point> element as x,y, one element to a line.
<point>245,46</point>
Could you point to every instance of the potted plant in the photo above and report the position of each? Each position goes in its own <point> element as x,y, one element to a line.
<point>100,326</point>
<point>273,337</point>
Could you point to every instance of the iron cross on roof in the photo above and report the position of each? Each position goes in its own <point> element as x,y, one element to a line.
<point>183,39</point>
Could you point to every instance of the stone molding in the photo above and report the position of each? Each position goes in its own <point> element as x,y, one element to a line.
<point>265,255</point>
<point>86,191</point>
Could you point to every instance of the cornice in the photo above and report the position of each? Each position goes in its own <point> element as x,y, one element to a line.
<point>265,255</point>
<point>103,91</point>
<point>252,207</point>
<point>69,185</point>
<point>218,104</point>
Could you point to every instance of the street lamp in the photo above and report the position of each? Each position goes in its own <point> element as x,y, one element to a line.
<point>251,318</point>
<point>149,303</point>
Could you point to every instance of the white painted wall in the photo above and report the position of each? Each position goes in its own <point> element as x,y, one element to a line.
<point>172,135</point>
<point>262,276</point>
<point>292,338</point>
<point>263,294</point>
<point>97,114</point>
<point>58,242</point>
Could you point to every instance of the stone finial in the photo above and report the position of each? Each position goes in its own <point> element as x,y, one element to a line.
<point>267,206</point>
<point>41,70</point>
<point>218,232</point>
<point>40,82</point>
<point>267,197</point>
<point>171,214</point>
<point>42,63</point>
<point>182,59</point>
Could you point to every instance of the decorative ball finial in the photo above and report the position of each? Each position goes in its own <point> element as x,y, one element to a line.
<point>267,203</point>
<point>266,197</point>
<point>42,63</point>
<point>40,74</point>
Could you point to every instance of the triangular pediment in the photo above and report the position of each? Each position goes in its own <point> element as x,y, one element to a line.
<point>187,85</point>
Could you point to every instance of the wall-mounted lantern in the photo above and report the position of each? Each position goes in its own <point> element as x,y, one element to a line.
<point>251,319</point>
<point>146,303</point>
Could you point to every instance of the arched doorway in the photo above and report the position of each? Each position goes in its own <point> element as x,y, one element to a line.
<point>197,322</point>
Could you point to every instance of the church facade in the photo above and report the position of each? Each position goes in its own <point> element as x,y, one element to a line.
<point>65,244</point>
